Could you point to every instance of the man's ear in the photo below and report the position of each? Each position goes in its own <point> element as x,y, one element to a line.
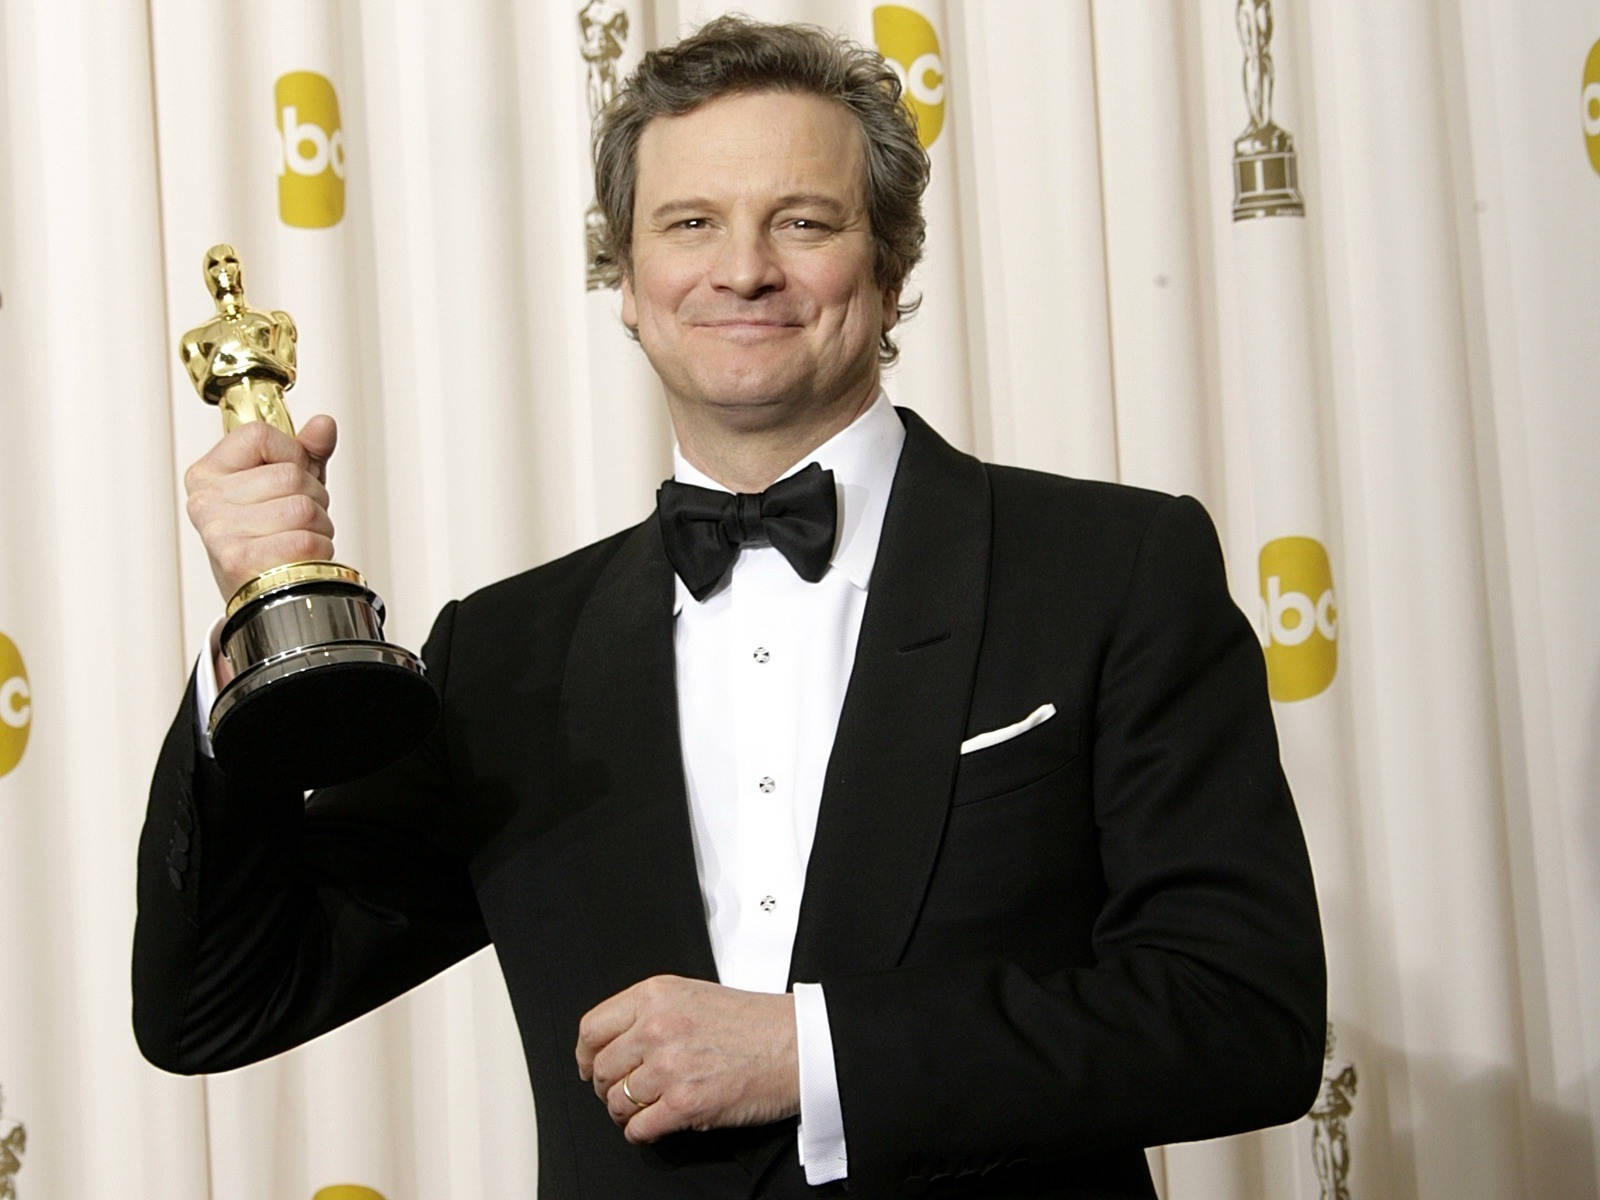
<point>891,308</point>
<point>630,311</point>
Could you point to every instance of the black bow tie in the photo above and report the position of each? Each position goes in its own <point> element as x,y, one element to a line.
<point>704,529</point>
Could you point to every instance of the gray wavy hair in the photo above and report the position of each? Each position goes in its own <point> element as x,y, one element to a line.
<point>734,54</point>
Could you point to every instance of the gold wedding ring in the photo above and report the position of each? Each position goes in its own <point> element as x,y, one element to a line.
<point>628,1092</point>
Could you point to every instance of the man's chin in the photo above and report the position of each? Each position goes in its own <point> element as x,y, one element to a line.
<point>753,399</point>
<point>755,406</point>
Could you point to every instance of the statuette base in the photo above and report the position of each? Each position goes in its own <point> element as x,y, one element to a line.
<point>1267,185</point>
<point>318,697</point>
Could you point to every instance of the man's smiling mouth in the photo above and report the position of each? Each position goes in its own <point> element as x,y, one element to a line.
<point>748,330</point>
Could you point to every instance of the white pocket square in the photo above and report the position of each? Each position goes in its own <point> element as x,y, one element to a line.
<point>982,741</point>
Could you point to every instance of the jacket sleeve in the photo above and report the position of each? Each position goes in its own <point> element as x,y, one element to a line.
<point>266,919</point>
<point>1202,1011</point>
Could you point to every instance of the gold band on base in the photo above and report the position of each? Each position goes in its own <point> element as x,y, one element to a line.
<point>307,571</point>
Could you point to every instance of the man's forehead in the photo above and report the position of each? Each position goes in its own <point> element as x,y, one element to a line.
<point>811,139</point>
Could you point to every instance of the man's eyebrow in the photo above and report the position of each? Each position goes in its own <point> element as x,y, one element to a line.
<point>673,208</point>
<point>811,200</point>
<point>699,204</point>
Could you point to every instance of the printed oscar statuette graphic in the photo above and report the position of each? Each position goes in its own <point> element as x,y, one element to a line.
<point>1266,169</point>
<point>317,696</point>
<point>603,30</point>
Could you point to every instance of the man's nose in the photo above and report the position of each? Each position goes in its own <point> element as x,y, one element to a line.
<point>747,264</point>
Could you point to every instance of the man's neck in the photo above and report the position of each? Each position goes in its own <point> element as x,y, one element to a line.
<point>749,459</point>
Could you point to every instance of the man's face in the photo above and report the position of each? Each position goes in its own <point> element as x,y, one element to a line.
<point>752,280</point>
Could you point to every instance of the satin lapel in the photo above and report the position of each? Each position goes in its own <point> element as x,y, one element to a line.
<point>894,757</point>
<point>619,717</point>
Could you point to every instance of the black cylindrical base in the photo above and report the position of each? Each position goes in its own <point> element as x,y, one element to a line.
<point>323,715</point>
<point>318,697</point>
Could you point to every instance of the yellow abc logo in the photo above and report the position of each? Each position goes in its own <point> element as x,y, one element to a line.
<point>1298,618</point>
<point>311,151</point>
<point>1591,106</point>
<point>16,705</point>
<point>346,1191</point>
<point>909,43</point>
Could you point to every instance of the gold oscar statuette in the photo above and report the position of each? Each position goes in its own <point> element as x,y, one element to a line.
<point>317,696</point>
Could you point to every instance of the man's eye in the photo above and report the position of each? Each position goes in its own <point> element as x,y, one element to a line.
<point>809,225</point>
<point>691,223</point>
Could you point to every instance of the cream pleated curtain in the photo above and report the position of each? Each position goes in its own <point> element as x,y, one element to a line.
<point>1388,401</point>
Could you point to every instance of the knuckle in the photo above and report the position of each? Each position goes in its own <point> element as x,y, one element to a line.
<point>697,1099</point>
<point>303,511</point>
<point>216,543</point>
<point>300,544</point>
<point>314,545</point>
<point>252,436</point>
<point>686,1100</point>
<point>655,991</point>
<point>285,476</point>
<point>655,1027</point>
<point>231,558</point>
<point>262,434</point>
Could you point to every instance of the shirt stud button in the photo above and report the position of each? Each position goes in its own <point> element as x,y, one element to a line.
<point>768,903</point>
<point>766,783</point>
<point>761,654</point>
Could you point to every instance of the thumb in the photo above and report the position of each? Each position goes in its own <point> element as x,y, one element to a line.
<point>317,437</point>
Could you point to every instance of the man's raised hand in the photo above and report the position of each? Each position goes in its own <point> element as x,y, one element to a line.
<point>258,501</point>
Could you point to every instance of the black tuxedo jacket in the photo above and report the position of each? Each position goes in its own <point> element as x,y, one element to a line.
<point>1037,957</point>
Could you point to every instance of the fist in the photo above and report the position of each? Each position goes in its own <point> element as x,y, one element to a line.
<point>671,1054</point>
<point>258,501</point>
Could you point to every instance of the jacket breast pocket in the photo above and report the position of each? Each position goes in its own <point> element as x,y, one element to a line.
<point>1017,762</point>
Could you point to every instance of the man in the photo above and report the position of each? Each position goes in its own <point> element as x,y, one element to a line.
<point>950,822</point>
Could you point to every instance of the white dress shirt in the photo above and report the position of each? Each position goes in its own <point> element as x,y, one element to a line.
<point>762,667</point>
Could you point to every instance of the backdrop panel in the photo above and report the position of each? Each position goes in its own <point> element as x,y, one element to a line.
<point>1329,268</point>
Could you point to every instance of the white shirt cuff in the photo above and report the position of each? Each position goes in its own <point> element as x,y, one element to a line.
<point>821,1134</point>
<point>206,687</point>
